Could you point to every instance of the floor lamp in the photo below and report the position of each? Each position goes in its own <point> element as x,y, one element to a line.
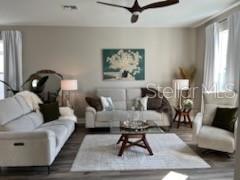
<point>179,86</point>
<point>68,86</point>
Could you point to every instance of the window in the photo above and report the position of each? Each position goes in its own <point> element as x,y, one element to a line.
<point>221,56</point>
<point>1,70</point>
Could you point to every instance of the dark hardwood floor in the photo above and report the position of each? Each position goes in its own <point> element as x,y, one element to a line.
<point>222,166</point>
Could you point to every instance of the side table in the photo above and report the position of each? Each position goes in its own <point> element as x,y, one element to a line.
<point>185,112</point>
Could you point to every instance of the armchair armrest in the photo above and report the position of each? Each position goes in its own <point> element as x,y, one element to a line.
<point>197,124</point>
<point>236,132</point>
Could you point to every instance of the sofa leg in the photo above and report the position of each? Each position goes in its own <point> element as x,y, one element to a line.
<point>48,170</point>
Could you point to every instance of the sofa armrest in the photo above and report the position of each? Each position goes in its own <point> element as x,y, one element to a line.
<point>36,148</point>
<point>91,110</point>
<point>90,117</point>
<point>26,135</point>
<point>197,124</point>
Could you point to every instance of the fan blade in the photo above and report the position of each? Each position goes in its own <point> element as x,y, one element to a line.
<point>134,18</point>
<point>160,4</point>
<point>114,5</point>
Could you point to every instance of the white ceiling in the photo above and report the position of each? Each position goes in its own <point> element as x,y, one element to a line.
<point>50,12</point>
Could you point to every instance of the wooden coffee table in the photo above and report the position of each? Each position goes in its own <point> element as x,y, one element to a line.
<point>141,142</point>
<point>131,138</point>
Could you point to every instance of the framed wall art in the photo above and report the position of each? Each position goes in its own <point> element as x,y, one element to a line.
<point>123,64</point>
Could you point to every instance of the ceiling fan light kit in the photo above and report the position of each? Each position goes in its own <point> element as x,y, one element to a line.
<point>136,9</point>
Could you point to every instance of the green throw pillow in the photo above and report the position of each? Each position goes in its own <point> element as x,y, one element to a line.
<point>225,118</point>
<point>50,111</point>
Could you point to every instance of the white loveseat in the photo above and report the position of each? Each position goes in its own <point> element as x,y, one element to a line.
<point>207,136</point>
<point>25,140</point>
<point>123,100</point>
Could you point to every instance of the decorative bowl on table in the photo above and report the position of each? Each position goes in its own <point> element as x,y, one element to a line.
<point>135,125</point>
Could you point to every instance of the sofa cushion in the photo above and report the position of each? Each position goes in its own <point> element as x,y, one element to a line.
<point>11,109</point>
<point>60,131</point>
<point>23,104</point>
<point>108,116</point>
<point>216,139</point>
<point>111,116</point>
<point>24,123</point>
<point>132,95</point>
<point>69,124</point>
<point>118,97</point>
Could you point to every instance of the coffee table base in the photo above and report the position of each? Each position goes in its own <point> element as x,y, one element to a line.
<point>126,143</point>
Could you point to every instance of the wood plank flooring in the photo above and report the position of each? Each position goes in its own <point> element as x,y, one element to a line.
<point>222,166</point>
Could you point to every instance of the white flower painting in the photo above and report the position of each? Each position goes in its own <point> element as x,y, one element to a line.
<point>123,64</point>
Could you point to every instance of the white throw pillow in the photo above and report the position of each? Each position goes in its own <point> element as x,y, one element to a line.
<point>107,103</point>
<point>143,102</point>
<point>210,111</point>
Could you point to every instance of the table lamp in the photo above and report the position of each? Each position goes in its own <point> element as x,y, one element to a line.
<point>180,85</point>
<point>68,86</point>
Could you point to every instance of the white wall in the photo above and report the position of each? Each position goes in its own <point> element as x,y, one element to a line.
<point>77,53</point>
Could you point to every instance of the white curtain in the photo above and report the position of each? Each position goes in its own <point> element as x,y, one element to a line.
<point>211,48</point>
<point>12,44</point>
<point>233,55</point>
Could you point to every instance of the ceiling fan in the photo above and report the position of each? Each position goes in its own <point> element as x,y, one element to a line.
<point>136,9</point>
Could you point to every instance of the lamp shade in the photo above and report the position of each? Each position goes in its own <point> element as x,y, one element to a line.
<point>181,84</point>
<point>69,85</point>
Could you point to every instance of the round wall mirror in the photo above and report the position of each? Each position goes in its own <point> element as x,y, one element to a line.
<point>46,84</point>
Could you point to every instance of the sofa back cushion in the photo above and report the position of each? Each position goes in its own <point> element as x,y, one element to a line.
<point>12,108</point>
<point>132,95</point>
<point>28,122</point>
<point>23,104</point>
<point>118,97</point>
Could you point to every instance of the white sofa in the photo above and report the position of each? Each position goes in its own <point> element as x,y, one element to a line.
<point>209,137</point>
<point>25,140</point>
<point>123,100</point>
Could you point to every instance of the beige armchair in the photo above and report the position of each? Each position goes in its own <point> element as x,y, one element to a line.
<point>207,136</point>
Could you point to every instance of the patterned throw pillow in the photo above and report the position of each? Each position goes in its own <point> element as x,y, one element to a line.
<point>107,103</point>
<point>141,103</point>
